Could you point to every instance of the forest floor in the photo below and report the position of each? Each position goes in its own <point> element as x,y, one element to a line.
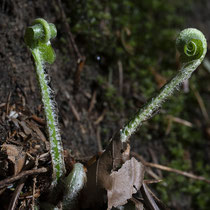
<point>82,112</point>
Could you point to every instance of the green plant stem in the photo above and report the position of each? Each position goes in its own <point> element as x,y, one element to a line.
<point>51,119</point>
<point>192,46</point>
<point>37,37</point>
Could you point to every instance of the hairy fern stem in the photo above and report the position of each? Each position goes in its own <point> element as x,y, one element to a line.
<point>192,46</point>
<point>37,37</point>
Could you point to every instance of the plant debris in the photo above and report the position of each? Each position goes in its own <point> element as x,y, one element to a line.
<point>125,182</point>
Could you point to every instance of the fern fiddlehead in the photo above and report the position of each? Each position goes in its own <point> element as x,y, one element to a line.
<point>192,45</point>
<point>37,37</point>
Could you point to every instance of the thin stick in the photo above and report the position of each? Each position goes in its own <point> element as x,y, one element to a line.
<point>120,68</point>
<point>148,199</point>
<point>98,137</point>
<point>8,102</point>
<point>160,204</point>
<point>34,184</point>
<point>100,118</point>
<point>16,194</point>
<point>11,179</point>
<point>38,119</point>
<point>183,173</point>
<point>165,168</point>
<point>74,111</point>
<point>201,103</point>
<point>180,121</point>
<point>92,102</point>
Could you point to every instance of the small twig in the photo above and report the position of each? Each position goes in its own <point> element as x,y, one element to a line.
<point>100,118</point>
<point>168,129</point>
<point>92,102</point>
<point>148,199</point>
<point>152,174</point>
<point>172,119</point>
<point>8,102</point>
<point>155,160</point>
<point>29,195</point>
<point>11,179</point>
<point>74,111</point>
<point>2,105</point>
<point>120,68</point>
<point>148,170</point>
<point>16,194</point>
<point>77,74</point>
<point>38,119</point>
<point>34,184</point>
<point>18,189</point>
<point>183,173</point>
<point>180,121</point>
<point>201,103</point>
<point>165,168</point>
<point>152,181</point>
<point>98,137</point>
<point>160,204</point>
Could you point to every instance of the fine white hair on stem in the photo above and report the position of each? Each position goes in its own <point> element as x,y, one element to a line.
<point>37,37</point>
<point>192,46</point>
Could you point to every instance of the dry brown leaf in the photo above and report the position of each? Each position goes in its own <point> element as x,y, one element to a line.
<point>112,159</point>
<point>26,129</point>
<point>15,155</point>
<point>98,176</point>
<point>36,129</point>
<point>125,182</point>
<point>102,176</point>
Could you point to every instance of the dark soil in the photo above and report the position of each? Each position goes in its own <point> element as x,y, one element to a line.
<point>19,91</point>
<point>18,77</point>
